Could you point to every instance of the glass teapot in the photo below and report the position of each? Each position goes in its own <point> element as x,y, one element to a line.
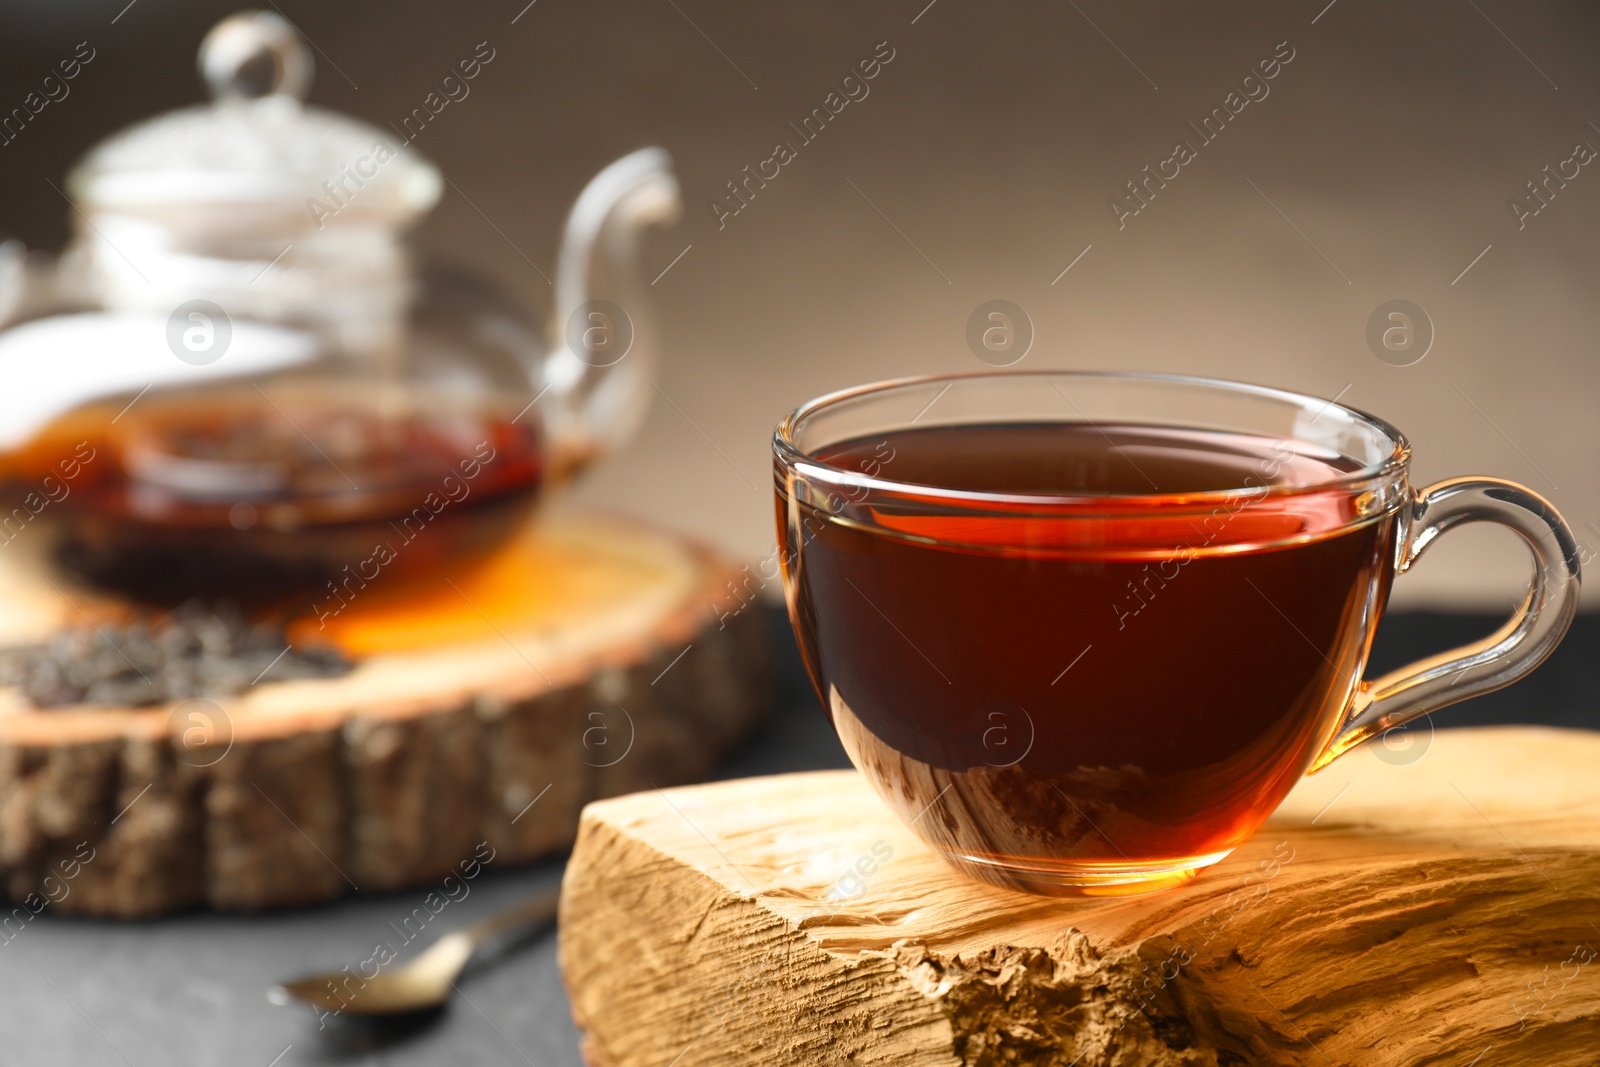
<point>237,381</point>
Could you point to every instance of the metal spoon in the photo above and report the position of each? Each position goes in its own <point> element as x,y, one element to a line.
<point>423,983</point>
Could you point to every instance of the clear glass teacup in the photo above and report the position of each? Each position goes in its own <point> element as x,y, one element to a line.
<point>1084,631</point>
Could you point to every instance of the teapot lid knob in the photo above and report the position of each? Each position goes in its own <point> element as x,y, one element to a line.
<point>254,54</point>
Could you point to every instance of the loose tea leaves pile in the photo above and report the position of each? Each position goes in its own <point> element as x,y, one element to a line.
<point>198,650</point>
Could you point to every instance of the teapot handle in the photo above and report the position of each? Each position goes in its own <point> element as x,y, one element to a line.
<point>602,353</point>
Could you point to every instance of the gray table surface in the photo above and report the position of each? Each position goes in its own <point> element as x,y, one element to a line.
<point>191,989</point>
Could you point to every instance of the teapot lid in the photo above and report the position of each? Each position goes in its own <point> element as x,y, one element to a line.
<point>256,146</point>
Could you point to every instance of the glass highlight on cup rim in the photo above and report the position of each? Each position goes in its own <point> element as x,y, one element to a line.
<point>786,445</point>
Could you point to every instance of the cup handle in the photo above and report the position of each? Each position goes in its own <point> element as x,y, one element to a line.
<point>1519,646</point>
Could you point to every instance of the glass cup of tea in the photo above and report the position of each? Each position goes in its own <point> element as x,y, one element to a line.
<point>1084,631</point>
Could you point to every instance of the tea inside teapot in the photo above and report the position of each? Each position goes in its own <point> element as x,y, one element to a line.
<point>236,492</point>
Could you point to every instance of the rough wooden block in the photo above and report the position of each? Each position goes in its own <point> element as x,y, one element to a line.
<point>1396,910</point>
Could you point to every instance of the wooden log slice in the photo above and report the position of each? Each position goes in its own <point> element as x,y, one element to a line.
<point>1441,911</point>
<point>589,658</point>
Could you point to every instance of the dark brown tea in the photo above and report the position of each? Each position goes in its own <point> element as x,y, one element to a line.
<point>305,496</point>
<point>1100,668</point>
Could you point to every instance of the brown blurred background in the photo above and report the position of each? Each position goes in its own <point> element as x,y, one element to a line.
<point>1378,167</point>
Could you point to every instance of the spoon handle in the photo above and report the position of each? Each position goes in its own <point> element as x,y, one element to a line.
<point>535,911</point>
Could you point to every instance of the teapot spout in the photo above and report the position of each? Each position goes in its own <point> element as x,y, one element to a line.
<point>602,357</point>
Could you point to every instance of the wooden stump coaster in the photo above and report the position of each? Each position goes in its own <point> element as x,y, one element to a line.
<point>590,658</point>
<point>1400,908</point>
